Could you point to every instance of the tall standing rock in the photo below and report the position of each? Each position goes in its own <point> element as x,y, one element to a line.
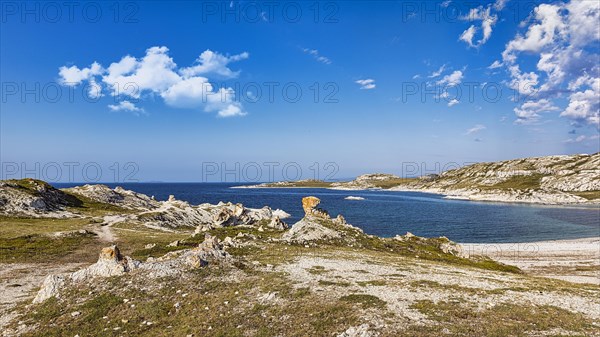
<point>310,204</point>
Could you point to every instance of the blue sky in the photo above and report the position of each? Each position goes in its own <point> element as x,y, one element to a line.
<point>355,87</point>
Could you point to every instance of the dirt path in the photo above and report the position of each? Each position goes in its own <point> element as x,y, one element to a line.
<point>104,231</point>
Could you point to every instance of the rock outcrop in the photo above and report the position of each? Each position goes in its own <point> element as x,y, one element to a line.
<point>309,204</point>
<point>548,180</point>
<point>117,196</point>
<point>32,197</point>
<point>112,263</point>
<point>176,213</point>
<point>317,226</point>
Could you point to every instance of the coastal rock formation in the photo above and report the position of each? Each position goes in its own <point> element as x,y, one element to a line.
<point>317,226</point>
<point>309,204</point>
<point>33,197</point>
<point>112,263</point>
<point>305,231</point>
<point>117,196</point>
<point>548,180</point>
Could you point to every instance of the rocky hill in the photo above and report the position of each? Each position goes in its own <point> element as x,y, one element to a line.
<point>33,197</point>
<point>550,180</point>
<point>573,179</point>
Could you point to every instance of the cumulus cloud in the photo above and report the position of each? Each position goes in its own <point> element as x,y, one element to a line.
<point>477,128</point>
<point>564,39</point>
<point>156,73</point>
<point>366,84</point>
<point>73,76</point>
<point>529,112</point>
<point>317,56</point>
<point>197,92</point>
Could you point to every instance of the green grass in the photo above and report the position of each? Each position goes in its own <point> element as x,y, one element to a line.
<point>389,183</point>
<point>589,195</point>
<point>29,185</point>
<point>424,248</point>
<point>364,300</point>
<point>332,283</point>
<point>233,308</point>
<point>519,182</point>
<point>500,320</point>
<point>377,283</point>
<point>11,227</point>
<point>311,183</point>
<point>86,206</point>
<point>41,248</point>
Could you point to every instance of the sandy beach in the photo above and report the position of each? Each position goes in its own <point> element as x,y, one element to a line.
<point>571,260</point>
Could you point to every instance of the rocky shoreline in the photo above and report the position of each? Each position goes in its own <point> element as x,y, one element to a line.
<point>552,180</point>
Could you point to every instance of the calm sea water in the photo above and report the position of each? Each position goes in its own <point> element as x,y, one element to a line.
<point>386,213</point>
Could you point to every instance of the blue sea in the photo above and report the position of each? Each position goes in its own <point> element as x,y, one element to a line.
<point>387,213</point>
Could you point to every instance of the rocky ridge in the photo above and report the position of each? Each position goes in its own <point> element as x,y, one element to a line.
<point>32,197</point>
<point>573,179</point>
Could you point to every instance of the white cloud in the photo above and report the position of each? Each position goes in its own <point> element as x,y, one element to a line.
<point>446,3</point>
<point>453,102</point>
<point>197,92</point>
<point>125,106</point>
<point>564,38</point>
<point>497,64</point>
<point>73,76</point>
<point>438,72</point>
<point>477,128</point>
<point>468,35</point>
<point>367,84</point>
<point>529,112</point>
<point>317,56</point>
<point>500,4</point>
<point>487,21</point>
<point>210,62</point>
<point>157,73</point>
<point>454,78</point>
<point>581,138</point>
<point>549,24</point>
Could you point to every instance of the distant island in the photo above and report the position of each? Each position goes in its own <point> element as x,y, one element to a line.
<point>564,179</point>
